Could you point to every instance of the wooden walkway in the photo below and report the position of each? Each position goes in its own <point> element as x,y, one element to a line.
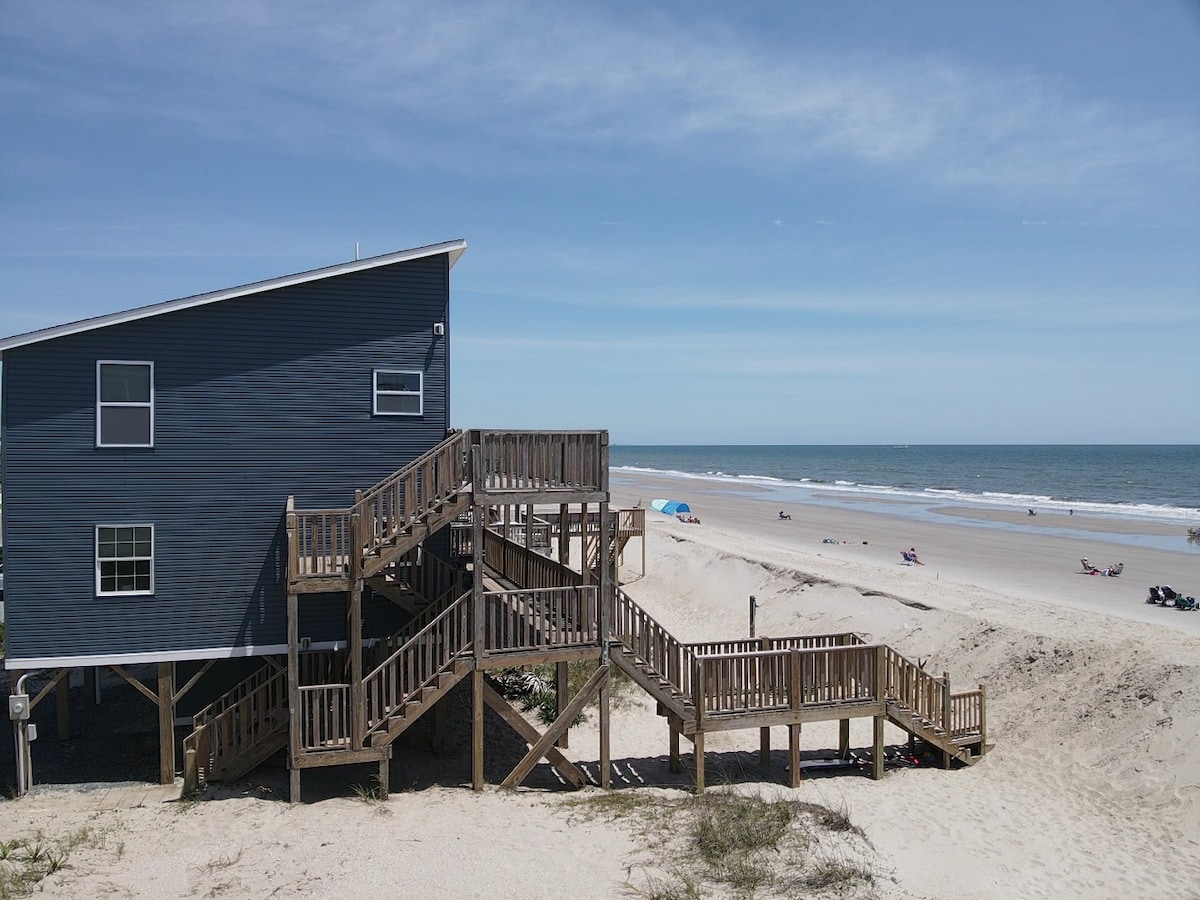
<point>524,608</point>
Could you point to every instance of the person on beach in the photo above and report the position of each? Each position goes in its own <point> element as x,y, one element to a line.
<point>911,556</point>
<point>783,515</point>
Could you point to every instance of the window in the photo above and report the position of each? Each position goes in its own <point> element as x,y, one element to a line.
<point>124,404</point>
<point>124,559</point>
<point>397,393</point>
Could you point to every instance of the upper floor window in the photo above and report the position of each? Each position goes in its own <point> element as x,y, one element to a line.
<point>124,404</point>
<point>124,559</point>
<point>397,393</point>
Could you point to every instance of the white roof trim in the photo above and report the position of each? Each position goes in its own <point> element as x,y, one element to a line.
<point>453,248</point>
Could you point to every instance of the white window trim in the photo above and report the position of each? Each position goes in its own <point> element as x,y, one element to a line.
<point>375,392</point>
<point>139,405</point>
<point>96,555</point>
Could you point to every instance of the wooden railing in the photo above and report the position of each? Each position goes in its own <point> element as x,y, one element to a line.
<point>525,567</point>
<point>394,504</point>
<point>417,663</point>
<point>324,717</point>
<point>653,644</point>
<point>783,679</point>
<point>241,726</point>
<point>541,619</point>
<point>967,715</point>
<point>319,543</point>
<point>523,461</point>
<point>235,694</point>
<point>802,642</point>
<point>908,684</point>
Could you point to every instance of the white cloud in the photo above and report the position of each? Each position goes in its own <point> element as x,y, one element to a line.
<point>423,85</point>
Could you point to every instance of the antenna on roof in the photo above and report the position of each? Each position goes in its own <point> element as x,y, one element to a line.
<point>356,251</point>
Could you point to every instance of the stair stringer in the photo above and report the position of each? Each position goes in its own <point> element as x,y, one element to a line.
<point>424,525</point>
<point>667,694</point>
<point>904,718</point>
<point>410,711</point>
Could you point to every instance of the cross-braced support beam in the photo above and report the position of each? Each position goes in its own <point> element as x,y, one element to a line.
<point>545,743</point>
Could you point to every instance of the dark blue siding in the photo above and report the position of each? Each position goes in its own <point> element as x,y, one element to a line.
<point>256,398</point>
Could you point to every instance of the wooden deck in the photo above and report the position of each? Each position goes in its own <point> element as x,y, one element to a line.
<point>522,608</point>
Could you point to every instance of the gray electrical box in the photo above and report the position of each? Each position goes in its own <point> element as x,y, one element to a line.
<point>18,707</point>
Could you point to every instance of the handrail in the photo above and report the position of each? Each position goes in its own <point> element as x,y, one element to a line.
<point>802,642</point>
<point>391,505</point>
<point>417,663</point>
<point>318,543</point>
<point>241,726</point>
<point>234,695</point>
<point>541,460</point>
<point>787,678</point>
<point>649,641</point>
<point>541,618</point>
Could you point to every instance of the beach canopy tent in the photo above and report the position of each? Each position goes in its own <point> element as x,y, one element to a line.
<point>670,507</point>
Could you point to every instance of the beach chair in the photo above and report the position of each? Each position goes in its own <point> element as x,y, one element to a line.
<point>1088,568</point>
<point>909,558</point>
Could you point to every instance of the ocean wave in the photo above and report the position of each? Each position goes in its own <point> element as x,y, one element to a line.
<point>990,499</point>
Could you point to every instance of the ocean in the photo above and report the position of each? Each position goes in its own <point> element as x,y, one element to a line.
<point>1158,483</point>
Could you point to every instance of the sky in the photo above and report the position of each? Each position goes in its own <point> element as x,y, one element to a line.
<point>688,222</point>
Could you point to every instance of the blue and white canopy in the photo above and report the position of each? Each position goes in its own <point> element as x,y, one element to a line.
<point>670,507</point>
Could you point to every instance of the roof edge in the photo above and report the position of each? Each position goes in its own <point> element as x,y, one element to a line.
<point>454,249</point>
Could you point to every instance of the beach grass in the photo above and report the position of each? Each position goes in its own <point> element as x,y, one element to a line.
<point>750,844</point>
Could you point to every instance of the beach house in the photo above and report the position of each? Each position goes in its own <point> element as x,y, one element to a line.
<point>249,504</point>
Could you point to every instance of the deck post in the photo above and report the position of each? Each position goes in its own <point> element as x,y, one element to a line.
<point>564,533</point>
<point>166,725</point>
<point>562,696</point>
<point>844,739</point>
<point>698,753</point>
<point>877,750</point>
<point>946,757</point>
<point>62,699</point>
<point>583,545</point>
<point>605,590</point>
<point>477,623</point>
<point>982,719</point>
<point>794,771</point>
<point>605,756</point>
<point>673,754</point>
<point>358,696</point>
<point>293,677</point>
<point>764,747</point>
<point>385,774</point>
<point>477,729</point>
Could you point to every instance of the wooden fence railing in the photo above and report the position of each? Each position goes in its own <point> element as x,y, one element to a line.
<point>753,645</point>
<point>319,543</point>
<point>394,504</point>
<point>783,679</point>
<point>241,726</point>
<point>541,460</point>
<point>417,663</point>
<point>652,643</point>
<point>234,695</point>
<point>525,567</point>
<point>541,619</point>
<point>324,717</point>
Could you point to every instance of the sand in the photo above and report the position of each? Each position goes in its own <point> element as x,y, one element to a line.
<point>1092,789</point>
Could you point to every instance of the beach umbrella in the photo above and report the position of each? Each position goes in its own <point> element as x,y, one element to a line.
<point>670,507</point>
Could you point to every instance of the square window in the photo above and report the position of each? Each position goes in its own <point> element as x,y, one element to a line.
<point>124,559</point>
<point>398,393</point>
<point>124,404</point>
